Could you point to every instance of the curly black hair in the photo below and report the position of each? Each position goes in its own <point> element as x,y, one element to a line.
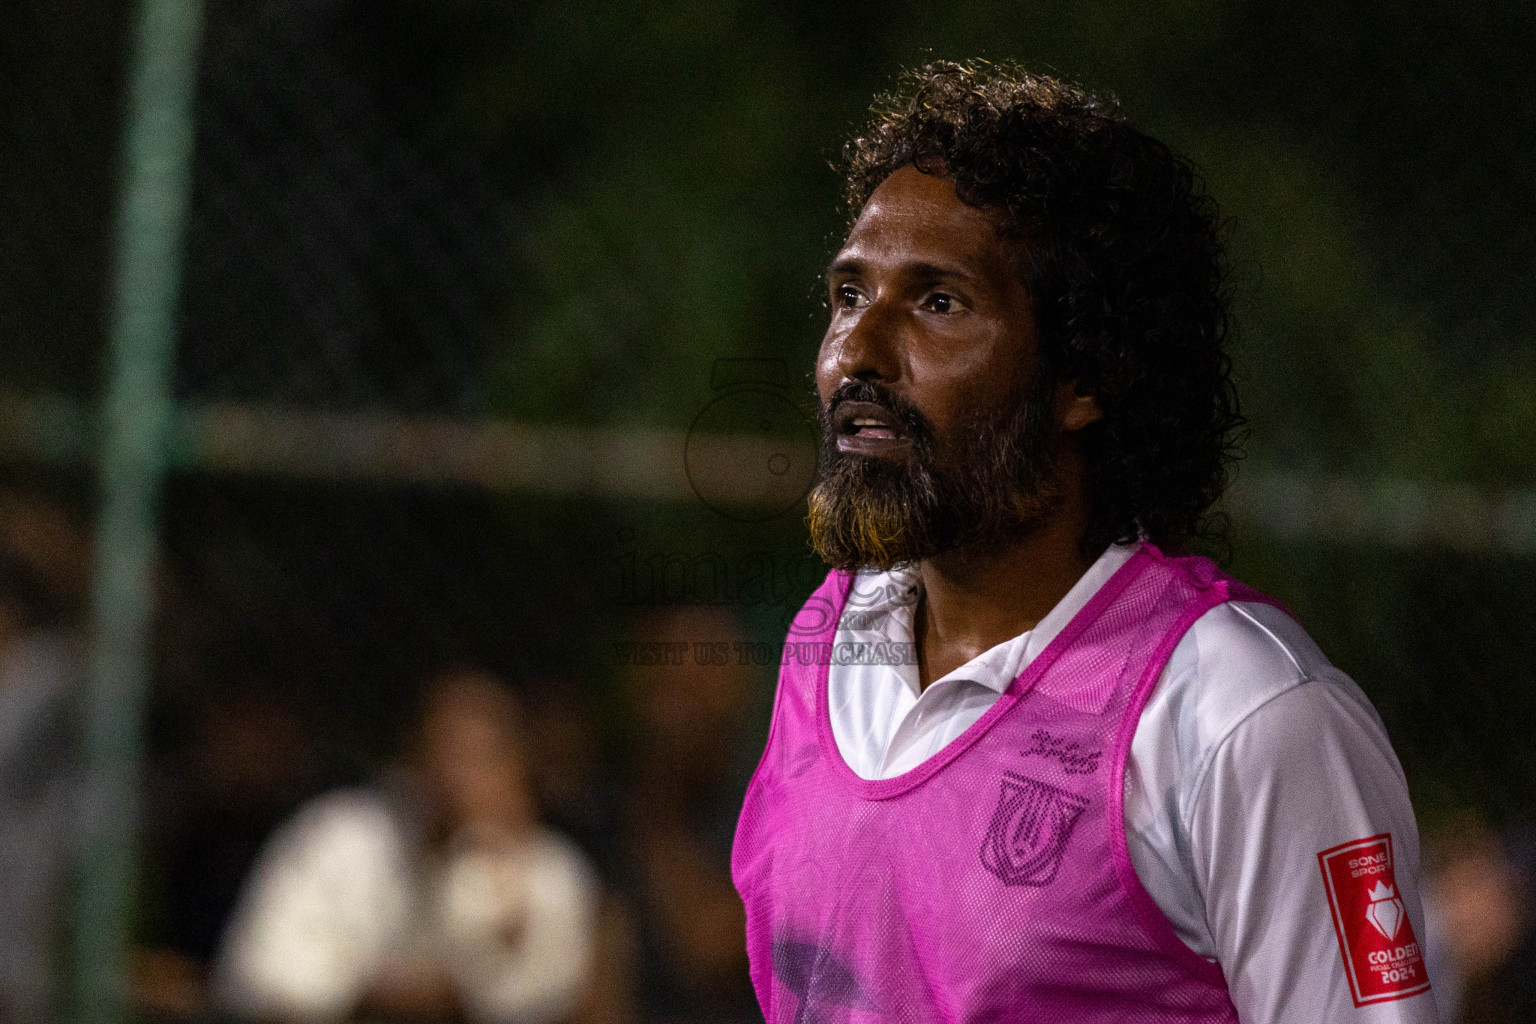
<point>1122,254</point>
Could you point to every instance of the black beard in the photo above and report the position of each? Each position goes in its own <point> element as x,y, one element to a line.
<point>976,490</point>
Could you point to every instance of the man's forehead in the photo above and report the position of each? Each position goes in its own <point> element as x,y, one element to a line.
<point>914,217</point>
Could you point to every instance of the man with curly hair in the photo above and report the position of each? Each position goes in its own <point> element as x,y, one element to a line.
<point>1032,760</point>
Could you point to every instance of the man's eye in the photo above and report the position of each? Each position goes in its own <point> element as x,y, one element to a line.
<point>848,297</point>
<point>941,303</point>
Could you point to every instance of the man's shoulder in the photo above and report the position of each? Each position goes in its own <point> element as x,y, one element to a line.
<point>1245,668</point>
<point>1237,658</point>
<point>1234,662</point>
<point>1240,654</point>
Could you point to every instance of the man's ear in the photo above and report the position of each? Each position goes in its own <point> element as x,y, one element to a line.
<point>1074,409</point>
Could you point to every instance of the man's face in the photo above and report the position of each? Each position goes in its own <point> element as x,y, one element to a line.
<point>937,419</point>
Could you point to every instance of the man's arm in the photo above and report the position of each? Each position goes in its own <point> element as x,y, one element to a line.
<point>1308,773</point>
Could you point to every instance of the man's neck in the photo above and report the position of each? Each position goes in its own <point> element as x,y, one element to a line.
<point>973,602</point>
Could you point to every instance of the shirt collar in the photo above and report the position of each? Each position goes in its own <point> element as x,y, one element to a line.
<point>996,667</point>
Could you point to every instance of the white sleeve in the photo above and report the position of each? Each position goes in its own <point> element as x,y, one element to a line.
<point>315,917</point>
<point>519,930</point>
<point>1306,772</point>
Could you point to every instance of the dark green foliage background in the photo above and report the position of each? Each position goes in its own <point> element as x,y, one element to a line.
<point>672,204</point>
<point>1375,166</point>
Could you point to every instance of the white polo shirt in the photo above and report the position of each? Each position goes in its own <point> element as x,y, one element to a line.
<point>1253,756</point>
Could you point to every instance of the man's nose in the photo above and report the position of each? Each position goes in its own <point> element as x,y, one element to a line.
<point>870,347</point>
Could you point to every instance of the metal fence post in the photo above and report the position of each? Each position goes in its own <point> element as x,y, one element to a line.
<point>156,180</point>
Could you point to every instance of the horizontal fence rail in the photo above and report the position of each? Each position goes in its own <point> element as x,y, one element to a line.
<point>654,464</point>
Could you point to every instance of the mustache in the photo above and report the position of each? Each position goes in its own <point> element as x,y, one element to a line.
<point>991,477</point>
<point>914,423</point>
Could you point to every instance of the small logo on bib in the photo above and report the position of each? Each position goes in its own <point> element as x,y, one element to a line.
<point>1029,831</point>
<point>1381,955</point>
<point>1074,759</point>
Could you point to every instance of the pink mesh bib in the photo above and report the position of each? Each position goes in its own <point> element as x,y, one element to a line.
<point>993,881</point>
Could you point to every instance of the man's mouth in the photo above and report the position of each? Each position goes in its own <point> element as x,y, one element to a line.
<point>865,428</point>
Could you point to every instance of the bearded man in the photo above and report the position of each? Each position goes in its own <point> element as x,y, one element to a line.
<point>1030,760</point>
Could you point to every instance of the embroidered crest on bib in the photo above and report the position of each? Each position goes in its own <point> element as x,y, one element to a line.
<point>1029,831</point>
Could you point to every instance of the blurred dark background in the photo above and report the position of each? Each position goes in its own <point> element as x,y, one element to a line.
<point>415,226</point>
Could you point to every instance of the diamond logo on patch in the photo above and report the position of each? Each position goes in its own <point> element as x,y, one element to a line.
<point>1385,911</point>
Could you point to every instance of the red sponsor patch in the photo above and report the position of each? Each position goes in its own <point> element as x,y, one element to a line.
<point>1381,954</point>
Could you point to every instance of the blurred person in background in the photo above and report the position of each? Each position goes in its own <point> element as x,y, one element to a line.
<point>39,786</point>
<point>690,694</point>
<point>247,761</point>
<point>576,788</point>
<point>42,578</point>
<point>436,896</point>
<point>1477,911</point>
<point>578,795</point>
